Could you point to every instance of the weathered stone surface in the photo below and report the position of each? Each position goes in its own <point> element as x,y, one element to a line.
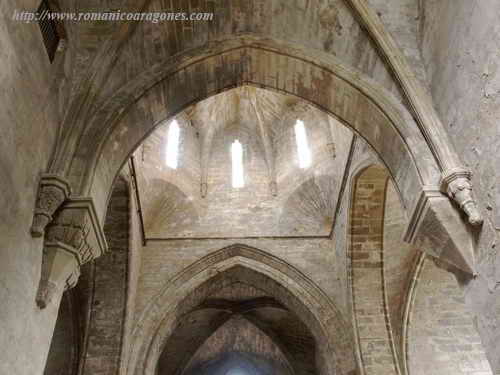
<point>52,192</point>
<point>28,128</point>
<point>106,329</point>
<point>460,48</point>
<point>440,230</point>
<point>366,273</point>
<point>442,337</point>
<point>73,238</point>
<point>114,82</point>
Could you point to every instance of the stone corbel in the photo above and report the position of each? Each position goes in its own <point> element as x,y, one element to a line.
<point>73,238</point>
<point>438,229</point>
<point>52,192</point>
<point>456,183</point>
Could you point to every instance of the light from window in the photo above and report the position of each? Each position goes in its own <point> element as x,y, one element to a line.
<point>302,145</point>
<point>173,145</point>
<point>237,162</point>
<point>236,371</point>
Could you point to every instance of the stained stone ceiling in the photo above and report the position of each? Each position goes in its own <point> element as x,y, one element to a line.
<point>238,326</point>
<point>278,199</point>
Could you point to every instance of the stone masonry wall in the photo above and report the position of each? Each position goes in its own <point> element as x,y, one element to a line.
<point>28,126</point>
<point>460,42</point>
<point>442,336</point>
<point>162,260</point>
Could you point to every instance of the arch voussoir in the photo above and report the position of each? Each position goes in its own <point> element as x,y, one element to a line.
<point>289,287</point>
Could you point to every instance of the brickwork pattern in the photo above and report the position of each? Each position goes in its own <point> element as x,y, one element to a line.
<point>442,328</point>
<point>366,273</point>
<point>106,329</point>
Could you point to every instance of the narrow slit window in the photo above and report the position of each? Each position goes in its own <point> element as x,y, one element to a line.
<point>48,28</point>
<point>237,163</point>
<point>173,145</point>
<point>303,150</point>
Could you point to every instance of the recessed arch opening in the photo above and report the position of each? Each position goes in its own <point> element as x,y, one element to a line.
<point>383,123</point>
<point>285,289</point>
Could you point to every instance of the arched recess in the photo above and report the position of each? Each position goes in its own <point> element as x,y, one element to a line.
<point>64,352</point>
<point>168,88</point>
<point>282,282</point>
<point>376,347</point>
<point>441,335</point>
<point>109,287</point>
<point>220,328</point>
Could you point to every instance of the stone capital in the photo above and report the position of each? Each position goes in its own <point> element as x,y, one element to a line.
<point>438,229</point>
<point>73,238</point>
<point>52,192</point>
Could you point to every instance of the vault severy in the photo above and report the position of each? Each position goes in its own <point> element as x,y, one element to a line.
<point>278,199</point>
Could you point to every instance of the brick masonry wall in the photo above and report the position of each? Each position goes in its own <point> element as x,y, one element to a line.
<point>162,260</point>
<point>399,258</point>
<point>372,322</point>
<point>110,290</point>
<point>238,335</point>
<point>460,43</point>
<point>64,348</point>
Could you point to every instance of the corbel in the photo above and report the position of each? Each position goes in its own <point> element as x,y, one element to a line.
<point>438,229</point>
<point>73,238</point>
<point>456,183</point>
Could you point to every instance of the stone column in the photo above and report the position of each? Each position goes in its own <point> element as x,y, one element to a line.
<point>73,238</point>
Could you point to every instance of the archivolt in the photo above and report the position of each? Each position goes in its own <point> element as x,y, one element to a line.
<point>168,88</point>
<point>293,289</point>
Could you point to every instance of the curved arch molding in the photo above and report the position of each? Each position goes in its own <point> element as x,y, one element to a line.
<point>294,290</point>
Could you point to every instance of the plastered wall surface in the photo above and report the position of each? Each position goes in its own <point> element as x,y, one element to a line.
<point>27,113</point>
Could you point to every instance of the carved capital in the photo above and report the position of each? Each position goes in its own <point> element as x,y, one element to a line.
<point>73,238</point>
<point>457,185</point>
<point>52,192</point>
<point>438,229</point>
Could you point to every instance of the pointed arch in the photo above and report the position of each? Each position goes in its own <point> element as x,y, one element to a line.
<point>128,117</point>
<point>366,271</point>
<point>290,287</point>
